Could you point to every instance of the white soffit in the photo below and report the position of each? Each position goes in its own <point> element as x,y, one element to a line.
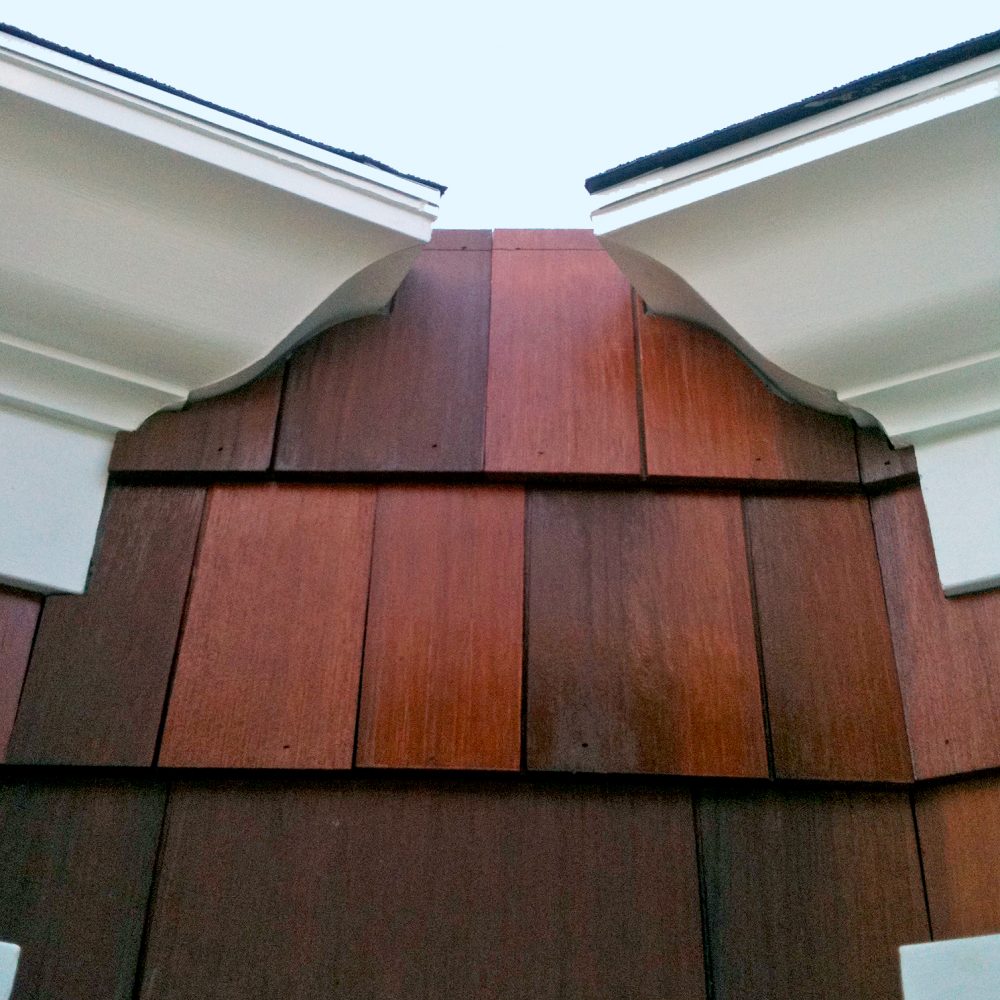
<point>154,250</point>
<point>853,257</point>
<point>965,968</point>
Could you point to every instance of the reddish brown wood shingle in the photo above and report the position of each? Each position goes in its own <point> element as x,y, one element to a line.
<point>959,828</point>
<point>269,666</point>
<point>641,649</point>
<point>232,432</point>
<point>18,618</point>
<point>460,239</point>
<point>429,891</point>
<point>561,396</point>
<point>99,670</point>
<point>441,684</point>
<point>403,392</point>
<point>546,239</point>
<point>832,691</point>
<point>947,649</point>
<point>809,894</point>
<point>878,461</point>
<point>76,865</point>
<point>708,415</point>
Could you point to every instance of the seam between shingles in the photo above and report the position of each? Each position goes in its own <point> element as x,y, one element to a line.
<point>640,399</point>
<point>280,414</point>
<point>364,630</point>
<point>526,585</point>
<point>699,860</point>
<point>758,640</point>
<point>920,860</point>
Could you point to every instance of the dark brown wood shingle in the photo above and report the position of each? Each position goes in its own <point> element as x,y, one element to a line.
<point>832,691</point>
<point>947,649</point>
<point>707,414</point>
<point>270,662</point>
<point>561,396</point>
<point>76,865</point>
<point>809,893</point>
<point>878,461</point>
<point>18,618</point>
<point>441,685</point>
<point>428,891</point>
<point>641,649</point>
<point>233,432</point>
<point>959,826</point>
<point>98,675</point>
<point>403,392</point>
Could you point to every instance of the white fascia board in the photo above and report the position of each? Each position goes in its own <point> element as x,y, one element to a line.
<point>153,250</point>
<point>966,968</point>
<point>854,259</point>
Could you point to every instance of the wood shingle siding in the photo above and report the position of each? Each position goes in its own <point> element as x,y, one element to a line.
<point>270,661</point>
<point>832,692</point>
<point>98,675</point>
<point>641,651</point>
<point>18,620</point>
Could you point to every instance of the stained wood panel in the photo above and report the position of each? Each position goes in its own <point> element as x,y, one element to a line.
<point>430,892</point>
<point>18,618</point>
<point>442,669</point>
<point>832,691</point>
<point>708,415</point>
<point>878,461</point>
<point>76,864</point>
<point>561,396</point>
<point>809,894</point>
<point>269,666</point>
<point>232,432</point>
<point>641,648</point>
<point>97,679</point>
<point>403,392</point>
<point>546,239</point>
<point>960,846</point>
<point>947,649</point>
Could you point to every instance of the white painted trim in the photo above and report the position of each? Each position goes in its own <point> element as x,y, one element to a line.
<point>9,956</point>
<point>959,969</point>
<point>168,252</point>
<point>854,259</point>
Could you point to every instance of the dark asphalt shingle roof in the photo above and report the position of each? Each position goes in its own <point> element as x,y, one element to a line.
<point>166,88</point>
<point>853,91</point>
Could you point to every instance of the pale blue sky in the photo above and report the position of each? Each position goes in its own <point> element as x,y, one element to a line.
<point>511,105</point>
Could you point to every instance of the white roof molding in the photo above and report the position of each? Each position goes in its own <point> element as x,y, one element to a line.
<point>854,258</point>
<point>154,250</point>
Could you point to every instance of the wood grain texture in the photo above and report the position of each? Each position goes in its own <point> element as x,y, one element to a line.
<point>641,647</point>
<point>98,674</point>
<point>959,842</point>
<point>707,414</point>
<point>230,433</point>
<point>429,892</point>
<point>270,662</point>
<point>460,239</point>
<point>809,894</point>
<point>878,461</point>
<point>947,649</point>
<point>832,690</point>
<point>441,684</point>
<point>76,865</point>
<point>403,392</point>
<point>561,396</point>
<point>18,618</point>
<point>546,239</point>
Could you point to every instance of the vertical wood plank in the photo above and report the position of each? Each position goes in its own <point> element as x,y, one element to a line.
<point>403,392</point>
<point>960,846</point>
<point>76,865</point>
<point>641,647</point>
<point>832,691</point>
<point>431,892</point>
<point>441,685</point>
<point>707,414</point>
<point>947,649</point>
<point>18,618</point>
<point>98,675</point>
<point>561,396</point>
<point>269,665</point>
<point>878,461</point>
<point>809,894</point>
<point>232,432</point>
